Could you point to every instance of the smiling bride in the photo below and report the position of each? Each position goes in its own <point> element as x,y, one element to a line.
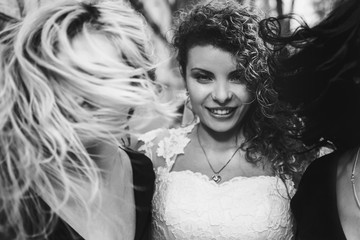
<point>229,174</point>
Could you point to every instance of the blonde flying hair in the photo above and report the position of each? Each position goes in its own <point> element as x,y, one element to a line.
<point>52,102</point>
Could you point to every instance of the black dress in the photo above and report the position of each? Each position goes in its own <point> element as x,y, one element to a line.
<point>143,179</point>
<point>314,205</point>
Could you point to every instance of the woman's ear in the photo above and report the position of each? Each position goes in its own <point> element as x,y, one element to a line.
<point>79,100</point>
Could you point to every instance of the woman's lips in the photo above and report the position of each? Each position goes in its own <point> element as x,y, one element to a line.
<point>221,111</point>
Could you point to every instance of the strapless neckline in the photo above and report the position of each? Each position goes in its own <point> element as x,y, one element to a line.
<point>206,178</point>
<point>187,205</point>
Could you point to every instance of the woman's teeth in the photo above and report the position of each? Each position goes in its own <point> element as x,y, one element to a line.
<point>222,111</point>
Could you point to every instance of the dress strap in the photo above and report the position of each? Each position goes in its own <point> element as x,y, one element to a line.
<point>166,144</point>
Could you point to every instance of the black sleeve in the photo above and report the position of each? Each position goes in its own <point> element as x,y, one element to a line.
<point>144,184</point>
<point>314,205</point>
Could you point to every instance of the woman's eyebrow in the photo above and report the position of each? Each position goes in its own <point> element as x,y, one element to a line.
<point>236,72</point>
<point>201,70</point>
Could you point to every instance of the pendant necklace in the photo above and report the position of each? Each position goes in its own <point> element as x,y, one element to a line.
<point>352,179</point>
<point>216,177</point>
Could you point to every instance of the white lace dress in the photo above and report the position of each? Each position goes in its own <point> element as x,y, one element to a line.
<point>187,205</point>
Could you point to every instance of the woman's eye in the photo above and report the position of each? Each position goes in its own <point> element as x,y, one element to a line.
<point>237,79</point>
<point>202,78</point>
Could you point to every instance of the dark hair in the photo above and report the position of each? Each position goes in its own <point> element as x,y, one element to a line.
<point>317,70</point>
<point>233,27</point>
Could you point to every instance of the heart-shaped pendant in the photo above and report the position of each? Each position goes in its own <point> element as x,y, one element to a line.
<point>216,178</point>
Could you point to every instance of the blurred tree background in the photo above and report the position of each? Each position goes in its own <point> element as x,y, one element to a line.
<point>159,15</point>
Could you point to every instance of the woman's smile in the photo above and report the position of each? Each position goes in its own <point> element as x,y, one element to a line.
<point>221,112</point>
<point>217,88</point>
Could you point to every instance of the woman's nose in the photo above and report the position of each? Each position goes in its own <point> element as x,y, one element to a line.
<point>221,92</point>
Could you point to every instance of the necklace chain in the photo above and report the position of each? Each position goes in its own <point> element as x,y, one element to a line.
<point>216,177</point>
<point>353,178</point>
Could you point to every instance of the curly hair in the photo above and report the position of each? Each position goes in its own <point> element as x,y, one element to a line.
<point>316,70</point>
<point>233,27</point>
<point>53,102</point>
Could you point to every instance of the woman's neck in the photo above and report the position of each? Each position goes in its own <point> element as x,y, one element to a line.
<point>219,140</point>
<point>102,153</point>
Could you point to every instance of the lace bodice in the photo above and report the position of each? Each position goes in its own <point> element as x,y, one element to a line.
<point>187,205</point>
